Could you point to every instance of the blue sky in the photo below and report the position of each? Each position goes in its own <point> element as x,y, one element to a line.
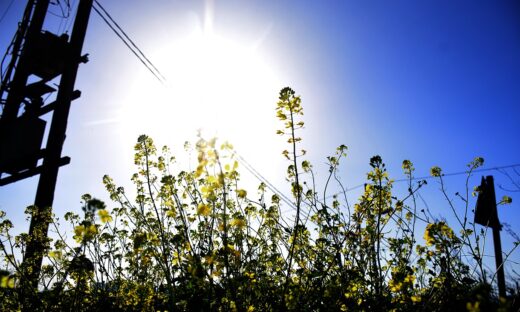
<point>435,82</point>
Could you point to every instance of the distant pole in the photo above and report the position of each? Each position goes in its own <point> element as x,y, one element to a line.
<point>501,279</point>
<point>486,214</point>
<point>51,162</point>
<point>496,240</point>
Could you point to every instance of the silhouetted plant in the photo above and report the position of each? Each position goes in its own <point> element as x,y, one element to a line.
<point>195,239</point>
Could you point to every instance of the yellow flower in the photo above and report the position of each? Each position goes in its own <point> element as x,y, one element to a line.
<point>199,171</point>
<point>473,307</point>
<point>435,171</point>
<point>506,199</point>
<point>238,222</point>
<point>409,279</point>
<point>407,165</point>
<point>78,233</point>
<point>437,233</point>
<point>232,305</point>
<point>415,299</point>
<point>203,210</point>
<point>90,231</point>
<point>241,193</point>
<point>226,145</point>
<point>428,238</point>
<point>212,179</point>
<point>104,215</point>
<point>209,260</point>
<point>7,282</point>
<point>446,230</point>
<point>395,286</point>
<point>55,254</point>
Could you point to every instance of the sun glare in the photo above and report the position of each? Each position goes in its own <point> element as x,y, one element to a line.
<point>221,87</point>
<point>224,88</point>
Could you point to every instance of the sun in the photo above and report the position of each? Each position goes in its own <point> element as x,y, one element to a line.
<point>214,84</point>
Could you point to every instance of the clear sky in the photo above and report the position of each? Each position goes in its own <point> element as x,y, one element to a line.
<point>436,82</point>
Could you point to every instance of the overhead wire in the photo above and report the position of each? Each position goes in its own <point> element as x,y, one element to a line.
<point>6,54</point>
<point>69,21</point>
<point>65,16</point>
<point>6,11</point>
<point>261,178</point>
<point>129,39</point>
<point>13,49</point>
<point>432,177</point>
<point>107,18</point>
<point>65,12</point>
<point>285,199</point>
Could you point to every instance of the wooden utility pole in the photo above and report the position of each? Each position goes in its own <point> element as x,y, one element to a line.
<point>46,56</point>
<point>486,214</point>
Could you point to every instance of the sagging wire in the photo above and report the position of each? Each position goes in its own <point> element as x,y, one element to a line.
<point>107,18</point>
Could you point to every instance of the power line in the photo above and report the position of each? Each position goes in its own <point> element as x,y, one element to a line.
<point>69,21</point>
<point>128,42</point>
<point>284,198</point>
<point>461,172</point>
<point>261,178</point>
<point>6,10</point>
<point>129,39</point>
<point>431,177</point>
<point>65,12</point>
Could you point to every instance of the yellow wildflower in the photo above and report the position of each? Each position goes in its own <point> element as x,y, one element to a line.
<point>473,307</point>
<point>238,222</point>
<point>78,233</point>
<point>415,298</point>
<point>7,282</point>
<point>435,171</point>
<point>55,254</point>
<point>104,215</point>
<point>209,260</point>
<point>226,145</point>
<point>241,193</point>
<point>84,232</point>
<point>203,210</point>
<point>409,279</point>
<point>171,213</point>
<point>428,238</point>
